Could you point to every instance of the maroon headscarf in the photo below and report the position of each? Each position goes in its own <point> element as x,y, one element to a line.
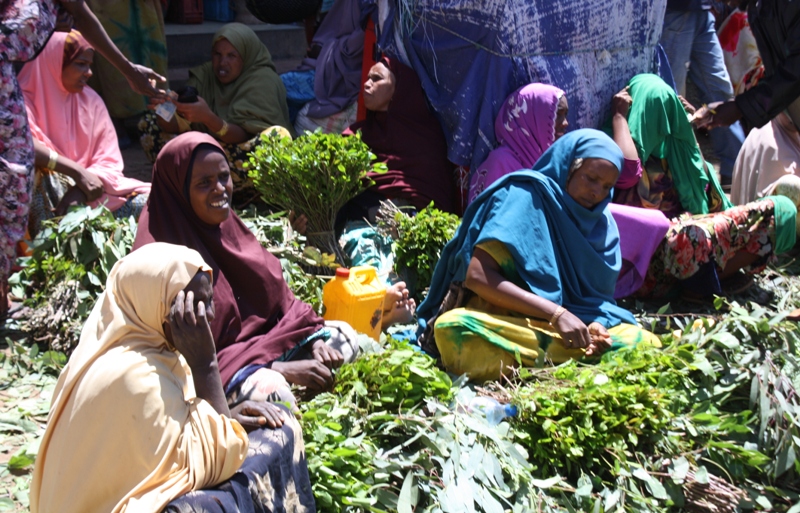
<point>409,139</point>
<point>257,318</point>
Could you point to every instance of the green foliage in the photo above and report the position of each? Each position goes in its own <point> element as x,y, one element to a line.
<point>420,241</point>
<point>68,270</point>
<point>315,174</point>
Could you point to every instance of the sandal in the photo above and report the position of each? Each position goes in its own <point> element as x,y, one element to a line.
<point>737,284</point>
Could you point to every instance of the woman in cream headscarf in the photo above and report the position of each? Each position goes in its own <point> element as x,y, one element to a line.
<point>239,95</point>
<point>139,417</point>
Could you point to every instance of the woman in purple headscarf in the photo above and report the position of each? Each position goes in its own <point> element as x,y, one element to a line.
<point>531,119</point>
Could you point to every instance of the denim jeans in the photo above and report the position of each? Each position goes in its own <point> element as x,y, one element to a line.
<point>692,47</point>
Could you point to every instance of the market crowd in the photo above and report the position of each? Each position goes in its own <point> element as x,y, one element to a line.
<point>181,395</point>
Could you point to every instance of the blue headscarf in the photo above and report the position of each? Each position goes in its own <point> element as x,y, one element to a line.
<point>564,252</point>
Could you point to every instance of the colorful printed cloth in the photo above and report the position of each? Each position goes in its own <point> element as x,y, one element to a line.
<point>25,27</point>
<point>695,241</point>
<point>274,477</point>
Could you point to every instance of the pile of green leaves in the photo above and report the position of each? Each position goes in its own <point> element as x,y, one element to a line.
<point>68,270</point>
<point>315,175</point>
<point>419,243</point>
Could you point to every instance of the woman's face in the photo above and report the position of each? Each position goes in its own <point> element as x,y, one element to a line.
<point>226,62</point>
<point>75,74</point>
<point>561,116</point>
<point>200,286</point>
<point>379,88</point>
<point>591,183</point>
<point>210,188</point>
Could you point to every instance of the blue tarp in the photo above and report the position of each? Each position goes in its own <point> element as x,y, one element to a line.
<point>471,54</point>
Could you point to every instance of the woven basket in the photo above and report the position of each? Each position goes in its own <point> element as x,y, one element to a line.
<point>283,11</point>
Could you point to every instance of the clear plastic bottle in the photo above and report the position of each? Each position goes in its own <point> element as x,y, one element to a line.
<point>491,409</point>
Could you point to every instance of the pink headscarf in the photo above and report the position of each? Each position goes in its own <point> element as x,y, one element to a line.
<point>524,128</point>
<point>76,125</point>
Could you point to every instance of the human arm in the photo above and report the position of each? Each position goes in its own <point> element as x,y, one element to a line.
<point>632,167</point>
<point>192,337</point>
<point>88,183</point>
<point>484,277</point>
<point>311,374</point>
<point>139,77</point>
<point>200,112</point>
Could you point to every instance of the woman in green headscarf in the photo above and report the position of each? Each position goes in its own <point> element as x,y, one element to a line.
<point>710,241</point>
<point>239,95</point>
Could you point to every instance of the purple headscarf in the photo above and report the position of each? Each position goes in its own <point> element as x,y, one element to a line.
<point>524,128</point>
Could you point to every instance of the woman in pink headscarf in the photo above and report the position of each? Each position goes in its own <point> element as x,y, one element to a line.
<point>73,135</point>
<point>531,119</point>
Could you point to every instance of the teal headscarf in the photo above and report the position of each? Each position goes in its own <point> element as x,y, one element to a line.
<point>563,252</point>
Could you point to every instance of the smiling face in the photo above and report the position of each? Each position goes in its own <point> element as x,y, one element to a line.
<point>592,181</point>
<point>75,74</point>
<point>379,88</point>
<point>210,186</point>
<point>561,116</point>
<point>226,62</point>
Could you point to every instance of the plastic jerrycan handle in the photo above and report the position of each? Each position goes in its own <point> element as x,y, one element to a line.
<point>364,274</point>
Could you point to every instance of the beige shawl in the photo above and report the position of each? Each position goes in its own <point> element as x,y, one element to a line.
<point>768,153</point>
<point>126,431</point>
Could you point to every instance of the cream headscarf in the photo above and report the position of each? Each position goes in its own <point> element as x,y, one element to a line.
<point>126,431</point>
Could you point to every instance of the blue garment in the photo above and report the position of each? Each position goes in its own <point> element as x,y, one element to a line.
<point>564,252</point>
<point>689,39</point>
<point>471,54</point>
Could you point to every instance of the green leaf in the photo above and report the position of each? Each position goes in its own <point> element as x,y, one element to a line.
<point>701,475</point>
<point>407,499</point>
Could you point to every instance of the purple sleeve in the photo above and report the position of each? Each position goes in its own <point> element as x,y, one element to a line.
<point>630,175</point>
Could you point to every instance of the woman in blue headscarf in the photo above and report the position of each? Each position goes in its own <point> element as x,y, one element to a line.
<point>531,270</point>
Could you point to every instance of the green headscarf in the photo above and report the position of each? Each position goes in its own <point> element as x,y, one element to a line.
<point>785,223</point>
<point>660,127</point>
<point>257,98</point>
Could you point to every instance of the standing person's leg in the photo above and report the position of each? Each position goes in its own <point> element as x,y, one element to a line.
<point>676,39</point>
<point>708,72</point>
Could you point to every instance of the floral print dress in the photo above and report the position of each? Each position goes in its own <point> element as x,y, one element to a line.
<point>25,28</point>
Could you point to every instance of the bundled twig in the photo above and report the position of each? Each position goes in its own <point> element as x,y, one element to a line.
<point>716,496</point>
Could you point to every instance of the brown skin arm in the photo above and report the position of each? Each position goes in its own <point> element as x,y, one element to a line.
<point>620,105</point>
<point>88,183</point>
<point>484,277</point>
<point>200,112</point>
<point>87,23</point>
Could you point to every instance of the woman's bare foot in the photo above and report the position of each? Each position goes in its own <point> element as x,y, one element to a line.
<point>398,308</point>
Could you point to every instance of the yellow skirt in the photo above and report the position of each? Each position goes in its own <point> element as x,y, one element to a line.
<point>486,346</point>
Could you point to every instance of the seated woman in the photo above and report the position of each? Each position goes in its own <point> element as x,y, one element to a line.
<point>531,119</point>
<point>769,155</point>
<point>533,266</point>
<point>706,250</point>
<point>402,131</point>
<point>77,155</point>
<point>239,95</point>
<point>265,336</point>
<point>146,359</point>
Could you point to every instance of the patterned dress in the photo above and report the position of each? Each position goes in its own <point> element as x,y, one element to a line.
<point>25,28</point>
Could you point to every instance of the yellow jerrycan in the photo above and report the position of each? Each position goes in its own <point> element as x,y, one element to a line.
<point>356,296</point>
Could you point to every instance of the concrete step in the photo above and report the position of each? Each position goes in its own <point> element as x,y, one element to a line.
<point>190,45</point>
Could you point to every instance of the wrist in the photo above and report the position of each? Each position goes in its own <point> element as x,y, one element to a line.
<point>205,367</point>
<point>557,313</point>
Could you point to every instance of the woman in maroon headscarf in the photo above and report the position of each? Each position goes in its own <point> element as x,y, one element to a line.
<point>265,336</point>
<point>403,132</point>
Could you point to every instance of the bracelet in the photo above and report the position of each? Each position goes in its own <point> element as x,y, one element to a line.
<point>560,310</point>
<point>51,165</point>
<point>223,130</point>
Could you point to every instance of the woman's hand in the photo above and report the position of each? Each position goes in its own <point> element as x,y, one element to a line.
<point>298,222</point>
<point>573,331</point>
<point>717,114</point>
<point>621,103</point>
<point>601,339</point>
<point>74,196</point>
<point>197,112</point>
<point>191,333</point>
<point>89,184</point>
<point>326,355</point>
<point>254,415</point>
<point>308,373</point>
<point>688,107</point>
